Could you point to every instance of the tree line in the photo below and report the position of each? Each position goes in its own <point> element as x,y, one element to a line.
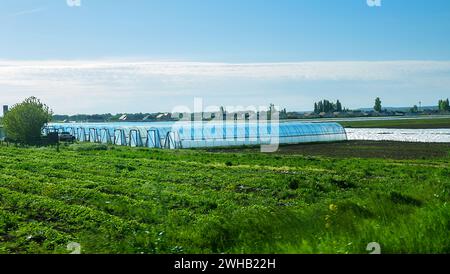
<point>328,107</point>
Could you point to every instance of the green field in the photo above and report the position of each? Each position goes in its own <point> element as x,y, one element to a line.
<point>135,200</point>
<point>400,123</point>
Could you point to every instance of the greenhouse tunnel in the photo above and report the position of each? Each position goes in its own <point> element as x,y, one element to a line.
<point>206,134</point>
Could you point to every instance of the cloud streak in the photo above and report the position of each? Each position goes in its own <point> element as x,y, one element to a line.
<point>26,12</point>
<point>114,82</point>
<point>19,72</point>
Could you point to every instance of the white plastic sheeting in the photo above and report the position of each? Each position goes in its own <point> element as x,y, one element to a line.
<point>204,134</point>
<point>402,135</point>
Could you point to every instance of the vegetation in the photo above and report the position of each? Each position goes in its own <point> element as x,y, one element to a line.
<point>327,106</point>
<point>324,106</point>
<point>400,123</point>
<point>24,122</point>
<point>125,200</point>
<point>444,105</point>
<point>414,109</point>
<point>377,106</point>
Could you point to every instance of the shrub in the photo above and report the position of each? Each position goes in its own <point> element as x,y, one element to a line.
<point>24,122</point>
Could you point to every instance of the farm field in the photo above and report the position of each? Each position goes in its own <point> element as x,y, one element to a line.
<point>400,123</point>
<point>357,149</point>
<point>136,200</point>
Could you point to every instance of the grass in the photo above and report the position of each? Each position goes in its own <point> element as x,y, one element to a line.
<point>400,123</point>
<point>135,200</point>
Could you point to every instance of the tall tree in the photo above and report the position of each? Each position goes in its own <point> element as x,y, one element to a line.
<point>338,106</point>
<point>444,105</point>
<point>320,107</point>
<point>377,106</point>
<point>327,106</point>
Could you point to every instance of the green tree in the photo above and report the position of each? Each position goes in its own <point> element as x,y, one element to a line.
<point>338,106</point>
<point>377,106</point>
<point>320,107</point>
<point>24,122</point>
<point>283,114</point>
<point>444,105</point>
<point>327,106</point>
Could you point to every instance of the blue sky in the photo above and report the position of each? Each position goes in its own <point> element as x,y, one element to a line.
<point>149,55</point>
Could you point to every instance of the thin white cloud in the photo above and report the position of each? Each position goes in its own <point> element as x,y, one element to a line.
<point>119,84</point>
<point>26,12</point>
<point>24,72</point>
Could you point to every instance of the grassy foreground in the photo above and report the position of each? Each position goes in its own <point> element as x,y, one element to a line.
<point>123,200</point>
<point>400,123</point>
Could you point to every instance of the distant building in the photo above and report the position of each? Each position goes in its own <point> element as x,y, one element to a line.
<point>123,117</point>
<point>163,116</point>
<point>5,109</point>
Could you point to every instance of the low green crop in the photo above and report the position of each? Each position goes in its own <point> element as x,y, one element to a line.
<point>126,200</point>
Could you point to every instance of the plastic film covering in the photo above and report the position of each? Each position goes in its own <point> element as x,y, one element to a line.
<point>203,134</point>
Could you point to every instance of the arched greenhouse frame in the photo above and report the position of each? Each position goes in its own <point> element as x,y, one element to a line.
<point>205,134</point>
